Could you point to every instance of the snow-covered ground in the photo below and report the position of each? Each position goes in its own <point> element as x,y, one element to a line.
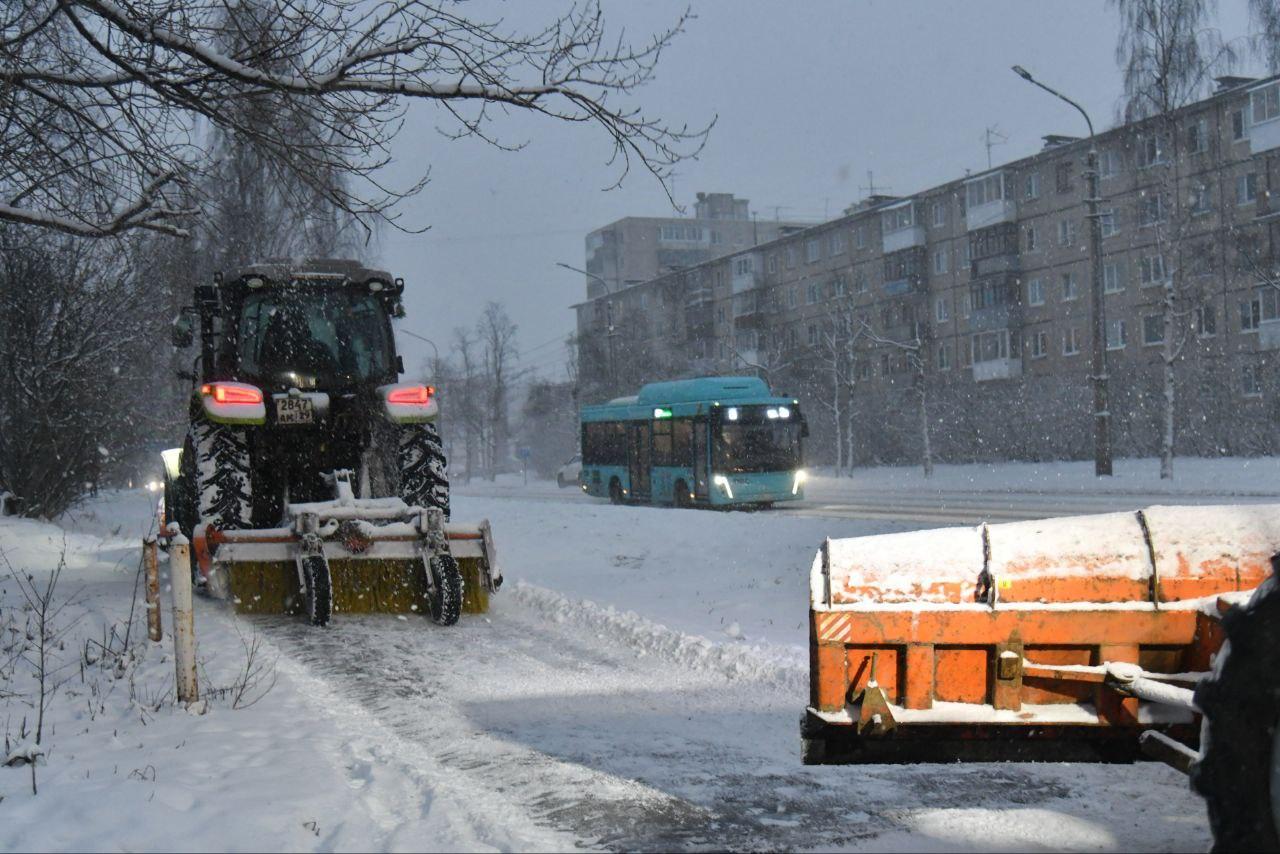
<point>637,685</point>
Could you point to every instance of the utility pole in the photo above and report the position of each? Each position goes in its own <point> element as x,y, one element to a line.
<point>611,332</point>
<point>1101,402</point>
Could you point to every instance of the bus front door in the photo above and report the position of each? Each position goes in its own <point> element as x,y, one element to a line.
<point>700,477</point>
<point>638,459</point>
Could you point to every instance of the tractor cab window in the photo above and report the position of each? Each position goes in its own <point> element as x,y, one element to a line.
<point>309,338</point>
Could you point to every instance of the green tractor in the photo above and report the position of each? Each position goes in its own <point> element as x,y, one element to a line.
<point>311,478</point>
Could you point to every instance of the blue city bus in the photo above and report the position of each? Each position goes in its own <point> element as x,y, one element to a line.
<point>712,441</point>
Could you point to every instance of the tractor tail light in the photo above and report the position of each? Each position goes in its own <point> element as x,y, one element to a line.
<point>227,393</point>
<point>413,394</point>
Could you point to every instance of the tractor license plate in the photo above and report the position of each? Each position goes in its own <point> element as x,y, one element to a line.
<point>295,410</point>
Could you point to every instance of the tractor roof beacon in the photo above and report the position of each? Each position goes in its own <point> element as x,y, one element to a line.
<point>311,478</point>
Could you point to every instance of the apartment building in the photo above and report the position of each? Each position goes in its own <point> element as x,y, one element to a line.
<point>637,249</point>
<point>973,296</point>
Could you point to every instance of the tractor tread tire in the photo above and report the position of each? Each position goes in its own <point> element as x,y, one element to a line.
<point>424,471</point>
<point>445,600</point>
<point>1241,704</point>
<point>319,592</point>
<point>223,474</point>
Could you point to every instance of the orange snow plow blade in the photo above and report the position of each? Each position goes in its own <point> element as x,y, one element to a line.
<point>1057,639</point>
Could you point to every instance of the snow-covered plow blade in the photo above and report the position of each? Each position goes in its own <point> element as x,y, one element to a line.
<point>1058,639</point>
<point>353,556</point>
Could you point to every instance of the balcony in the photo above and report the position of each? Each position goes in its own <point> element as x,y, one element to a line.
<point>698,296</point>
<point>991,213</point>
<point>748,309</point>
<point>996,317</point>
<point>1269,335</point>
<point>904,238</point>
<point>997,369</point>
<point>700,319</point>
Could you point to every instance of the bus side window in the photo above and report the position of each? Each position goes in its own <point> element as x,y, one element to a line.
<point>682,443</point>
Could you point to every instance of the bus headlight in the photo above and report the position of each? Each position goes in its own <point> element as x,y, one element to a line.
<point>723,482</point>
<point>798,481</point>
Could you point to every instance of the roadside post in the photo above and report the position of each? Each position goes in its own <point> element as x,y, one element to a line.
<point>150,567</point>
<point>184,633</point>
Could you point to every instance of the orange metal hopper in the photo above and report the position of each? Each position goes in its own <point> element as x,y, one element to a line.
<point>1035,639</point>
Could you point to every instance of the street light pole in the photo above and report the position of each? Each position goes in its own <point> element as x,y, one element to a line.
<point>434,349</point>
<point>608,309</point>
<point>1101,402</point>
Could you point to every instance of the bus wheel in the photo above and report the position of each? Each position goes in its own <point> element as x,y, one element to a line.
<point>615,492</point>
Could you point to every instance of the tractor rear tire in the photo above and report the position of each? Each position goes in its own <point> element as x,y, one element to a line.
<point>1240,743</point>
<point>445,601</point>
<point>319,592</point>
<point>424,478</point>
<point>222,474</point>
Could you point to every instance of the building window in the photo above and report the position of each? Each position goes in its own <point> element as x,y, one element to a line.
<point>944,357</point>
<point>1151,270</point>
<point>1039,345</point>
<point>716,238</point>
<point>683,233</point>
<point>1031,185</point>
<point>1117,334</point>
<point>837,242</point>
<point>720,314</point>
<point>1237,125</point>
<point>791,257</point>
<point>939,261</point>
<point>1247,188</point>
<point>1197,136</point>
<point>812,250</point>
<point>1109,163</point>
<point>793,299</point>
<point>1265,104</point>
<point>939,214</point>
<point>1250,380</point>
<point>1112,283</point>
<point>859,283</point>
<point>1263,308</point>
<point>644,300</point>
<point>1151,209</point>
<point>1032,238</point>
<point>812,293</point>
<point>990,346</point>
<point>1201,198</point>
<point>1035,292</point>
<point>841,285</point>
<point>1206,321</point>
<point>743,266</point>
<point>1152,329</point>
<point>984,190</point>
<point>773,262</point>
<point>1069,289</point>
<point>813,335</point>
<point>1066,232</point>
<point>1151,150</point>
<point>1062,177</point>
<point>1109,222</point>
<point>942,309</point>
<point>1070,342</point>
<point>860,237</point>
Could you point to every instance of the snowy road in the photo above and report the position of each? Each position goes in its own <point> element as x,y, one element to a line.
<point>577,727</point>
<point>637,685</point>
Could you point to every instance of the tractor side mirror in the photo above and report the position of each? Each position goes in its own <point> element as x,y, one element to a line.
<point>399,364</point>
<point>181,333</point>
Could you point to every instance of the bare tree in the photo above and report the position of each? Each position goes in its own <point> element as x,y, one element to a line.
<point>1265,16</point>
<point>1168,54</point>
<point>916,351</point>
<point>497,336</point>
<point>462,393</point>
<point>102,101</point>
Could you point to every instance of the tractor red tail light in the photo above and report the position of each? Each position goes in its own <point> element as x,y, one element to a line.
<point>227,393</point>
<point>414,394</point>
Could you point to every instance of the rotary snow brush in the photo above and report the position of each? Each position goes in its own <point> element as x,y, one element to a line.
<point>352,555</point>
<point>1059,639</point>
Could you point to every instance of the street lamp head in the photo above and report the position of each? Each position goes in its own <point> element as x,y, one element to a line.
<point>1022,72</point>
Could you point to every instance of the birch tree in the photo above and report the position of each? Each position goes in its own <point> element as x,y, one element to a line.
<point>104,101</point>
<point>1168,53</point>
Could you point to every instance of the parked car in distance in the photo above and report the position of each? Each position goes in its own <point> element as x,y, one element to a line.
<point>567,475</point>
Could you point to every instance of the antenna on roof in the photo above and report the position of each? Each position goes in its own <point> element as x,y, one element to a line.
<point>871,189</point>
<point>991,138</point>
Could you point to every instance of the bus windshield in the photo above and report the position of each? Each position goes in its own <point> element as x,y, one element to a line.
<point>758,439</point>
<point>329,337</point>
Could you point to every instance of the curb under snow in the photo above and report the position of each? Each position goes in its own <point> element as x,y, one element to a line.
<point>774,666</point>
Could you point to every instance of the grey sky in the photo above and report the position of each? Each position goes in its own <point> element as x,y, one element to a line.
<point>810,96</point>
